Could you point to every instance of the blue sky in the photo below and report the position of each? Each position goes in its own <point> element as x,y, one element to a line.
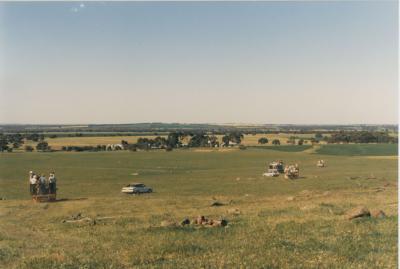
<point>216,62</point>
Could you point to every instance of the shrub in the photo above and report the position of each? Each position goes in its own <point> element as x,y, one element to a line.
<point>28,148</point>
<point>43,146</point>
<point>276,142</point>
<point>168,148</point>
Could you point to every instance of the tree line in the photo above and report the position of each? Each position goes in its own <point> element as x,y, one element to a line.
<point>9,142</point>
<point>360,137</point>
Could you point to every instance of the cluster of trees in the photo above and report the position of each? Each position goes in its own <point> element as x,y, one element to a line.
<point>175,140</point>
<point>8,142</point>
<point>34,137</point>
<point>234,137</point>
<point>84,148</point>
<point>42,146</point>
<point>361,137</point>
<point>264,140</point>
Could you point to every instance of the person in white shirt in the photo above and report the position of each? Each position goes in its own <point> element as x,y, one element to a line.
<point>32,182</point>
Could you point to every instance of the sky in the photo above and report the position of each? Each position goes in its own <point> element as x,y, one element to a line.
<point>199,62</point>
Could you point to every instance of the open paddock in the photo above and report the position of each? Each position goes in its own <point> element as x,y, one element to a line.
<point>281,224</point>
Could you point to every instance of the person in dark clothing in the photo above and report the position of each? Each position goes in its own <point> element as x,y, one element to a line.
<point>52,183</point>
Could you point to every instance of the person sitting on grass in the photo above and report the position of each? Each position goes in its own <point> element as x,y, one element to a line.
<point>52,183</point>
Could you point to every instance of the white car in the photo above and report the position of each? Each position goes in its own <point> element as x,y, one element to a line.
<point>136,188</point>
<point>271,173</point>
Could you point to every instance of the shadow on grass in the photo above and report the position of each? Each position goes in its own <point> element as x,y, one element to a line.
<point>69,200</point>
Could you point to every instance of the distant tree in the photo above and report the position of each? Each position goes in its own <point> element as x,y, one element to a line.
<point>263,140</point>
<point>16,145</point>
<point>174,139</point>
<point>53,136</point>
<point>124,144</point>
<point>242,147</point>
<point>42,146</point>
<point>199,140</point>
<point>103,147</point>
<point>143,143</point>
<point>168,148</point>
<point>34,137</point>
<point>300,142</point>
<point>292,140</point>
<point>276,142</point>
<point>28,148</point>
<point>225,140</point>
<point>213,141</point>
<point>16,139</point>
<point>160,142</point>
<point>318,136</point>
<point>132,147</point>
<point>236,137</point>
<point>3,143</point>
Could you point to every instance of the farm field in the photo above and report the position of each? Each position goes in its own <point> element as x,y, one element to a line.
<point>359,149</point>
<point>57,143</point>
<point>282,223</point>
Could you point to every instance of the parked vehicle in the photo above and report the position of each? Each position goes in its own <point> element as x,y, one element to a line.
<point>278,165</point>
<point>271,173</point>
<point>136,188</point>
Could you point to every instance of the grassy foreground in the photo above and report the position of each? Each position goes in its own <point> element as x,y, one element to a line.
<point>282,224</point>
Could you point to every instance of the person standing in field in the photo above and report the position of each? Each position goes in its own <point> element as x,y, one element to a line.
<point>52,183</point>
<point>32,183</point>
<point>37,184</point>
<point>42,184</point>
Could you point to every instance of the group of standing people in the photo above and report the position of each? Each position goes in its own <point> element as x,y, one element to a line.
<point>41,185</point>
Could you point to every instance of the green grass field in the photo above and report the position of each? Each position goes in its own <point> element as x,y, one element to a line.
<point>360,149</point>
<point>289,148</point>
<point>308,230</point>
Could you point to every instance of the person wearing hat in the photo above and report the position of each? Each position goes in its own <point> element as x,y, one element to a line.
<point>32,182</point>
<point>52,183</point>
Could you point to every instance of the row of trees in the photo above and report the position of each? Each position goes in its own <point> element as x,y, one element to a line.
<point>340,137</point>
<point>8,142</point>
<point>361,137</point>
<point>264,140</point>
<point>176,140</point>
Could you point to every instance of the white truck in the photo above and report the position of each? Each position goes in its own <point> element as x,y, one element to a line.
<point>271,173</point>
